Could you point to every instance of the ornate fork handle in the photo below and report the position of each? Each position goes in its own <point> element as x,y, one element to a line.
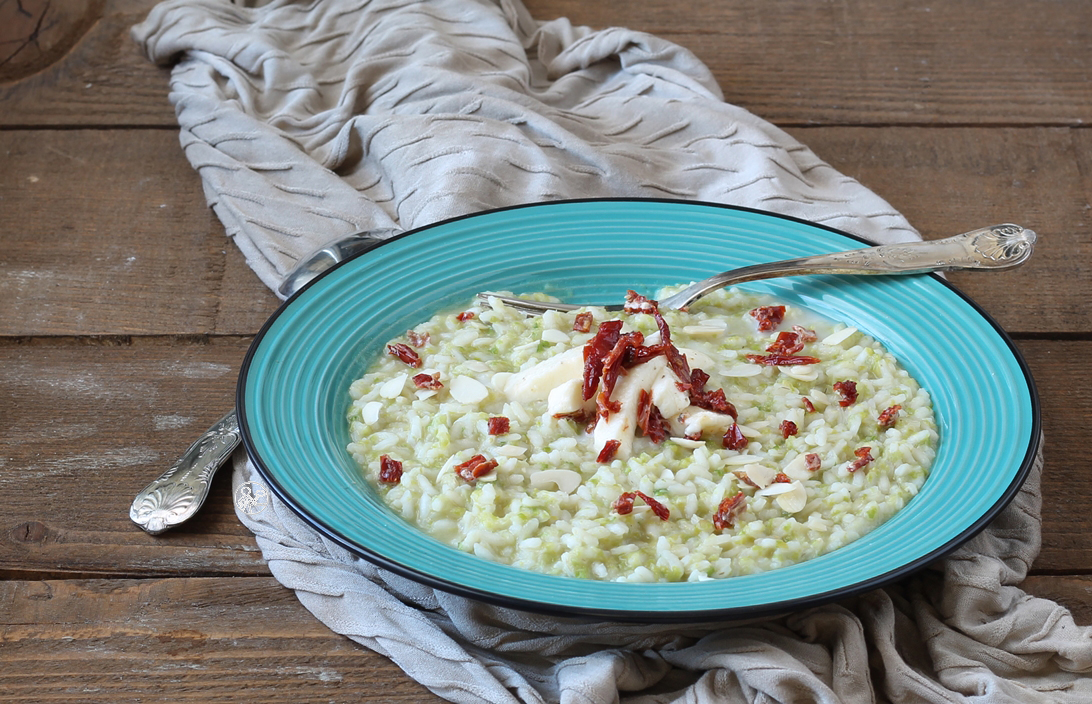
<point>179,492</point>
<point>995,247</point>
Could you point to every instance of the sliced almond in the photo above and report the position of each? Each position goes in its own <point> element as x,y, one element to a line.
<point>760,475</point>
<point>741,459</point>
<point>839,336</point>
<point>797,468</point>
<point>687,442</point>
<point>467,389</point>
<point>565,480</point>
<point>740,371</point>
<point>392,387</point>
<point>801,372</point>
<point>370,413</point>
<point>704,330</point>
<point>794,500</point>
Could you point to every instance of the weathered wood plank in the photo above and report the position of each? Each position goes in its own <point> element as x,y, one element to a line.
<point>1074,593</point>
<point>1066,398</point>
<point>95,220</point>
<point>179,640</point>
<point>846,62</point>
<point>102,79</point>
<point>953,180</point>
<point>108,232</point>
<point>87,426</point>
<point>854,62</point>
<point>219,640</point>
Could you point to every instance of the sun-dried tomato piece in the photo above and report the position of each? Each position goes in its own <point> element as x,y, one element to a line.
<point>659,509</point>
<point>788,428</point>
<point>734,438</point>
<point>405,353</point>
<point>676,360</point>
<point>604,406</point>
<point>711,400</point>
<point>582,417</point>
<point>417,339</point>
<point>595,353</point>
<point>612,363</point>
<point>805,334</point>
<point>864,456</point>
<point>610,449</point>
<point>781,360</point>
<point>781,478</point>
<point>848,392</point>
<point>428,381</point>
<point>390,470</point>
<point>729,510</point>
<point>499,425</point>
<point>888,416</point>
<point>649,419</point>
<point>624,504</point>
<point>639,355</point>
<point>808,405</point>
<point>768,317</point>
<point>636,303</point>
<point>583,322</point>
<point>812,462</point>
<point>465,316</point>
<point>787,343</point>
<point>475,467</point>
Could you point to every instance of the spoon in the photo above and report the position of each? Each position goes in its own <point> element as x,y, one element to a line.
<point>994,247</point>
<point>176,495</point>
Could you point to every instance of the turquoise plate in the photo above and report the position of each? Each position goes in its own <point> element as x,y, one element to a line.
<point>293,389</point>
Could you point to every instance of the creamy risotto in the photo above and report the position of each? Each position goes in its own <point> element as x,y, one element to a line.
<point>741,436</point>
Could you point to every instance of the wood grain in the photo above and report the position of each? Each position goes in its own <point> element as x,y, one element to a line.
<point>220,639</point>
<point>850,62</point>
<point>136,221</point>
<point>125,311</point>
<point>89,424</point>
<point>174,640</point>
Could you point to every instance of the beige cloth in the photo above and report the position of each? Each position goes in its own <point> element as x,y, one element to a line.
<point>307,121</point>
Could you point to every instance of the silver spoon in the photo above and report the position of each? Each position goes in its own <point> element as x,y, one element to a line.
<point>179,492</point>
<point>995,247</point>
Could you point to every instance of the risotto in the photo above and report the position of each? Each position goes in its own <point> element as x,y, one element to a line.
<point>740,436</point>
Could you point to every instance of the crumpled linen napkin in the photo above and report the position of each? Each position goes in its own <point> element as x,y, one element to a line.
<point>308,121</point>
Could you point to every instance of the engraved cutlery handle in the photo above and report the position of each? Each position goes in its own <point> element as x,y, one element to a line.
<point>176,495</point>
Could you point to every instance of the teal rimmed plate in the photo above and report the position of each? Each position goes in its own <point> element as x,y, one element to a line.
<point>293,389</point>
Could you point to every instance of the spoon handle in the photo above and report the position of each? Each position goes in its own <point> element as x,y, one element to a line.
<point>179,492</point>
<point>994,247</point>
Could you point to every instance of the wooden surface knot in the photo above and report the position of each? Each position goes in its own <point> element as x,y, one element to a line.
<point>35,34</point>
<point>29,532</point>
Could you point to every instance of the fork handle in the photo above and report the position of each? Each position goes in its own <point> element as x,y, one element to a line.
<point>994,247</point>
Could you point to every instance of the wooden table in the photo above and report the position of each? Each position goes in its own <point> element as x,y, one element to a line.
<point>125,311</point>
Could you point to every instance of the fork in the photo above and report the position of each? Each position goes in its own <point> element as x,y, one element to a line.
<point>995,247</point>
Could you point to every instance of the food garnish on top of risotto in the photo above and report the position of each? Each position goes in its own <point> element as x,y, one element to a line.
<point>739,436</point>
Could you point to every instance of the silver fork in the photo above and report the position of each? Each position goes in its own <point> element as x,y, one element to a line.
<point>995,247</point>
